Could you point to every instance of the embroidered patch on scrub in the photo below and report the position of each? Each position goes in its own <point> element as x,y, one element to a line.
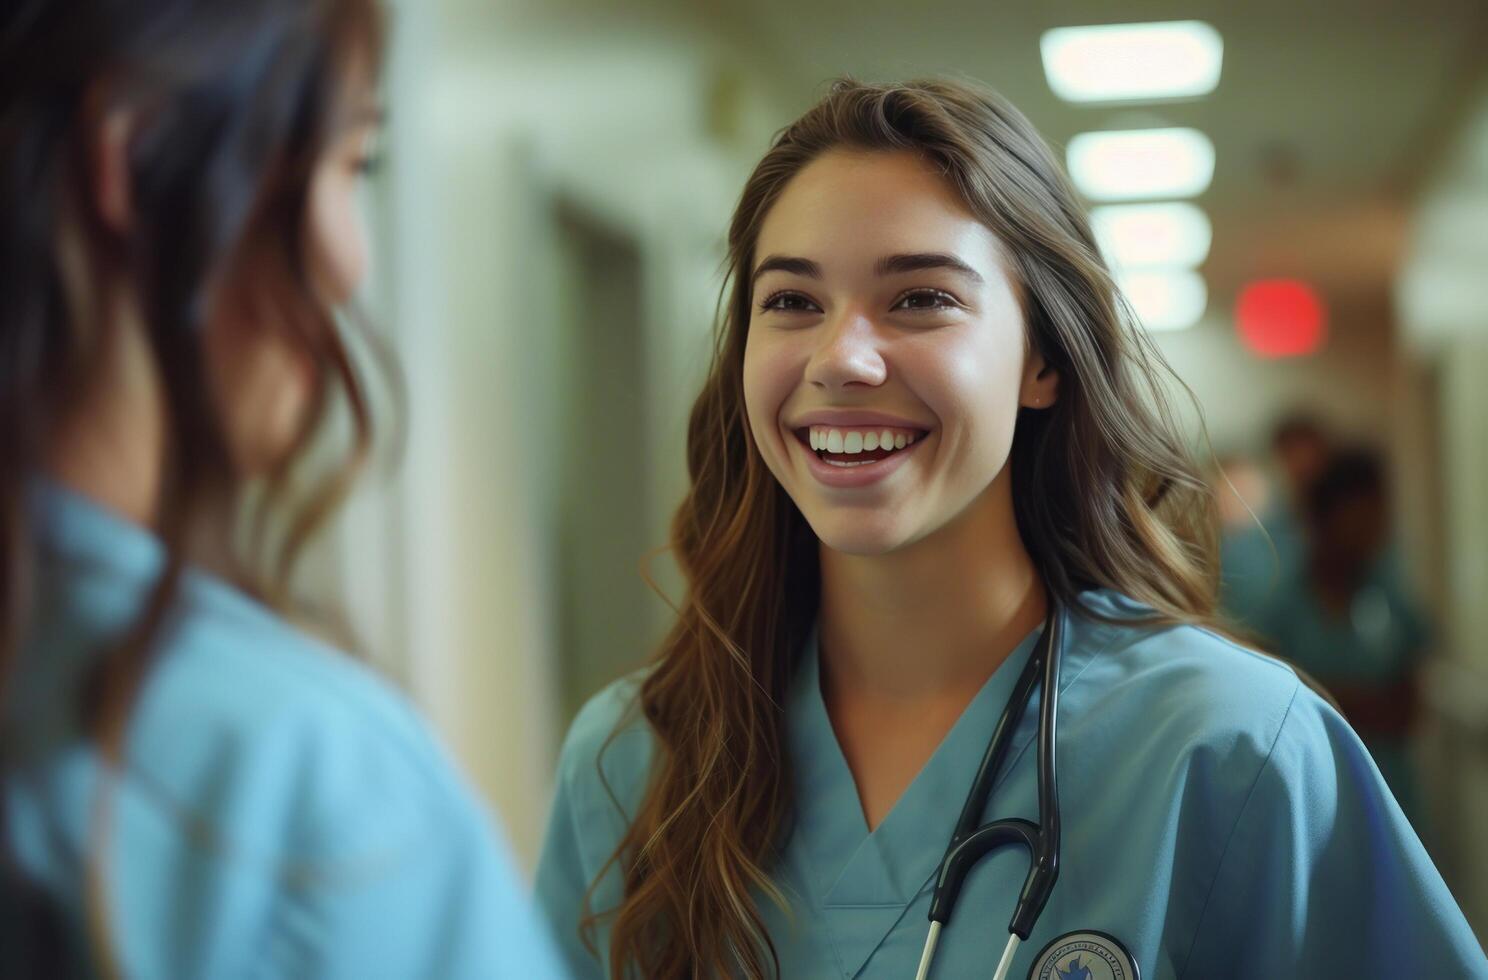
<point>1085,955</point>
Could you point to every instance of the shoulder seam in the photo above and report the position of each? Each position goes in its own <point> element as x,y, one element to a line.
<point>1251,652</point>
<point>1239,813</point>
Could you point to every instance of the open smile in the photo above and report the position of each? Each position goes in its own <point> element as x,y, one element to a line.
<point>851,456</point>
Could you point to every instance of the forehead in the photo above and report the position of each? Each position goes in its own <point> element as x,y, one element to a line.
<point>847,209</point>
<point>357,102</point>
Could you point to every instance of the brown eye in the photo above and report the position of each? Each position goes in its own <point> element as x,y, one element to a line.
<point>788,302</point>
<point>926,299</point>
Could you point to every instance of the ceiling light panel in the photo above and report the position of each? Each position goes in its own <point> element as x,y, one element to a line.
<point>1168,233</point>
<point>1166,300</point>
<point>1138,164</point>
<point>1133,62</point>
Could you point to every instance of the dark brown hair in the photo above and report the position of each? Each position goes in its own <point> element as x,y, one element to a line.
<point>1105,495</point>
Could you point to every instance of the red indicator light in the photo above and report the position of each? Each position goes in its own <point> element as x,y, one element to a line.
<point>1280,318</point>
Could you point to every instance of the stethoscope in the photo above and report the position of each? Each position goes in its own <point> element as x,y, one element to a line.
<point>970,843</point>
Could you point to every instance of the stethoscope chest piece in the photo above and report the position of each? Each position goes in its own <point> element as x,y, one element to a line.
<point>1087,954</point>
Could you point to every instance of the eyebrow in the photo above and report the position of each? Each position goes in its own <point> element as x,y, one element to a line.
<point>786,263</point>
<point>920,261</point>
<point>887,266</point>
<point>353,119</point>
<point>367,114</point>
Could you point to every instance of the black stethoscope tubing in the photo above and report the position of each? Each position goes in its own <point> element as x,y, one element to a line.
<point>970,842</point>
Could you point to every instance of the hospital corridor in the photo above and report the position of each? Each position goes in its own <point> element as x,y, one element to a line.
<point>788,420</point>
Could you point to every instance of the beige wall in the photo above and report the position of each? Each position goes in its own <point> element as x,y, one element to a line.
<point>497,112</point>
<point>1442,296</point>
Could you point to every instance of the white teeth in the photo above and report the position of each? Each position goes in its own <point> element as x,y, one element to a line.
<point>852,442</point>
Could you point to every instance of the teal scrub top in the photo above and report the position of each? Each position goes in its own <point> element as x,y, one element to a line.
<point>1255,561</point>
<point>1251,567</point>
<point>1219,820</point>
<point>1381,640</point>
<point>280,812</point>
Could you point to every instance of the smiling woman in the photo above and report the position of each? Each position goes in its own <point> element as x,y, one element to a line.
<point>898,271</point>
<point>929,424</point>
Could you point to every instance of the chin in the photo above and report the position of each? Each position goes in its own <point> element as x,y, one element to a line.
<point>859,535</point>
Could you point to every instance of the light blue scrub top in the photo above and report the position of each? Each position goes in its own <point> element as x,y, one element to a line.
<point>282,812</point>
<point>1219,819</point>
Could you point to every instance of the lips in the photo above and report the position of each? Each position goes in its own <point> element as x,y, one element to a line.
<point>855,419</point>
<point>854,448</point>
<point>833,466</point>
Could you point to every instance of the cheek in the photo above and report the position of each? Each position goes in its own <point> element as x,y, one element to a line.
<point>771,374</point>
<point>338,237</point>
<point>971,385</point>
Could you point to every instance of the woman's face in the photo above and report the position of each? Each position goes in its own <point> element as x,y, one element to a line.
<point>886,357</point>
<point>263,377</point>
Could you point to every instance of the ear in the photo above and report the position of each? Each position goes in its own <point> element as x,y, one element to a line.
<point>108,169</point>
<point>1040,388</point>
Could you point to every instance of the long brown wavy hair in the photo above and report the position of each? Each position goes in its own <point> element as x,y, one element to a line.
<point>233,107</point>
<point>1105,495</point>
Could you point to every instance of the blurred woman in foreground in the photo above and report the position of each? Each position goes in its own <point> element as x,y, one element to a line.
<point>193,788</point>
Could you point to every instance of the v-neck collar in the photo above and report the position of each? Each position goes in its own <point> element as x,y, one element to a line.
<point>863,882</point>
<point>75,528</point>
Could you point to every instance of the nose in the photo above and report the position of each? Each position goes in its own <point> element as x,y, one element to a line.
<point>849,354</point>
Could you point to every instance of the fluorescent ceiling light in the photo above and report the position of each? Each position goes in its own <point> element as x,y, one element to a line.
<point>1131,164</point>
<point>1171,233</point>
<point>1123,62</point>
<point>1167,300</point>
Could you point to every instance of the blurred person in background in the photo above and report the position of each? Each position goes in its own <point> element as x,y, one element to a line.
<point>1249,569</point>
<point>931,437</point>
<point>1301,446</point>
<point>1261,537</point>
<point>1344,615</point>
<point>192,786</point>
